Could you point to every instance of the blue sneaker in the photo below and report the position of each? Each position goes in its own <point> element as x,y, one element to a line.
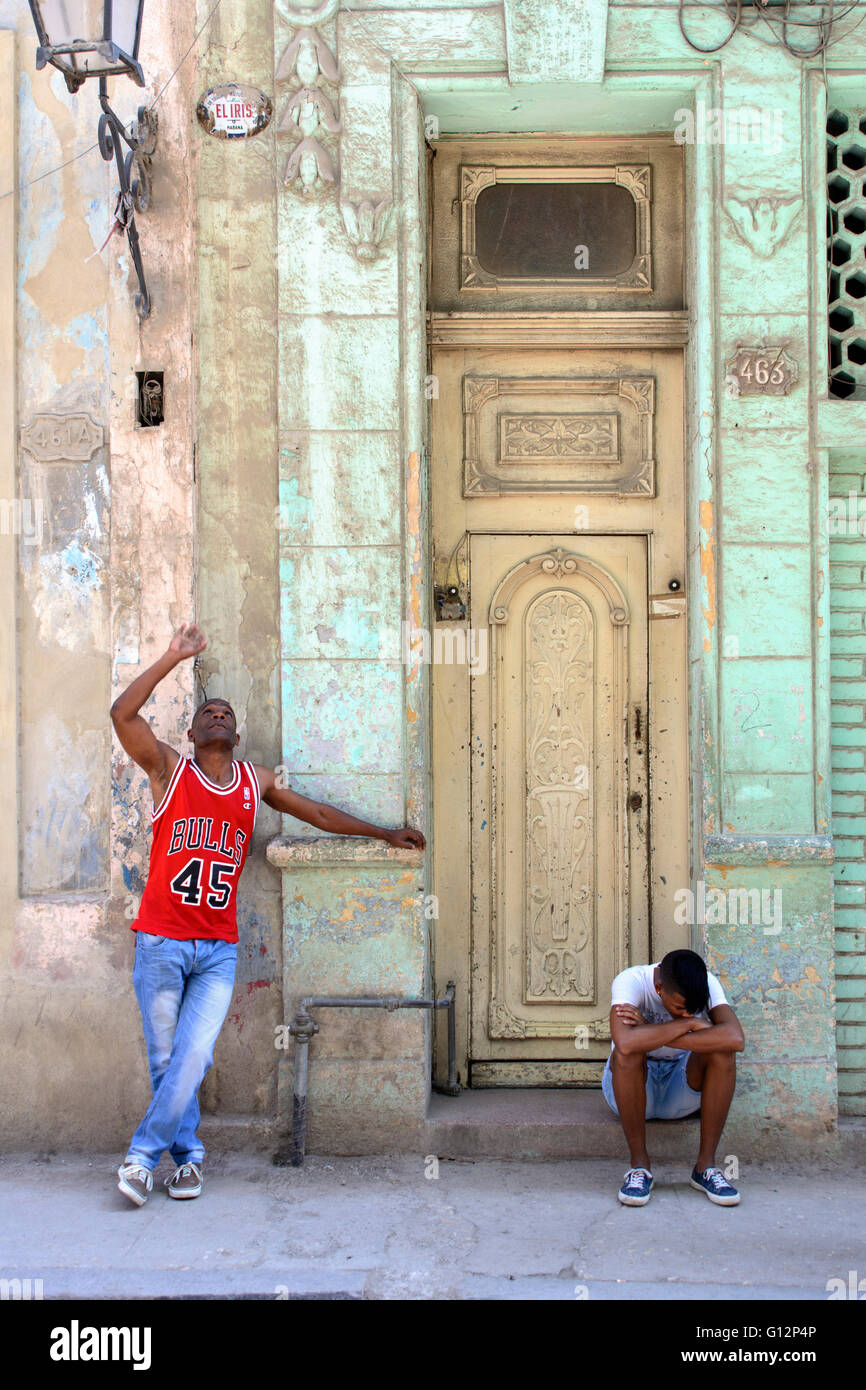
<point>716,1186</point>
<point>635,1191</point>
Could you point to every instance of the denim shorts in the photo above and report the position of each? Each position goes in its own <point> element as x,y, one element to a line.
<point>668,1094</point>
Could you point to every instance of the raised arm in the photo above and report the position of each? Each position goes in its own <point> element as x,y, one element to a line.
<point>157,759</point>
<point>329,818</point>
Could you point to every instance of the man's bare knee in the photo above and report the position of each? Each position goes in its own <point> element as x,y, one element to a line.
<point>628,1061</point>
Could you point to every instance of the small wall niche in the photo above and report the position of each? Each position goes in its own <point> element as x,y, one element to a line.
<point>149,401</point>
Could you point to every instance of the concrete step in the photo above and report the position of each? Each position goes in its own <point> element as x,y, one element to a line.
<point>555,1123</point>
<point>558,1122</point>
<point>562,1123</point>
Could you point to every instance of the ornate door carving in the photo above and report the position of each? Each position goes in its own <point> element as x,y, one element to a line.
<point>554,858</point>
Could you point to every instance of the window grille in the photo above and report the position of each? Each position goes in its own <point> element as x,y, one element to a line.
<point>846,252</point>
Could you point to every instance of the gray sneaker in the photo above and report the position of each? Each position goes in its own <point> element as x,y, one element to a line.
<point>185,1181</point>
<point>136,1182</point>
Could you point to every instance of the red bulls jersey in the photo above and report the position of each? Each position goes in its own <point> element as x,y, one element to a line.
<point>201,834</point>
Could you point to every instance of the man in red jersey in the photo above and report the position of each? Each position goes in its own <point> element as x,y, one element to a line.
<point>204,811</point>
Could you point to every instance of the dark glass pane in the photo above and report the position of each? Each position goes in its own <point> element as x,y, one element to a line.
<point>532,229</point>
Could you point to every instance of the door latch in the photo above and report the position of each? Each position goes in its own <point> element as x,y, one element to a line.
<point>450,606</point>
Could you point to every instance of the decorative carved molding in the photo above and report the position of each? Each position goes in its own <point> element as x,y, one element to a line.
<point>310,111</point>
<point>558,562</point>
<point>502,1023</point>
<point>561,630</point>
<point>762,223</point>
<point>638,276</point>
<point>306,103</point>
<point>309,57</point>
<point>294,14</point>
<point>313,164</point>
<point>473,180</point>
<point>544,438</point>
<point>634,178</point>
<point>310,166</point>
<point>640,390</point>
<point>366,225</point>
<point>613,472</point>
<point>559,867</point>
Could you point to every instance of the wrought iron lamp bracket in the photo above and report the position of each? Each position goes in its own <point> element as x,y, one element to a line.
<point>134,176</point>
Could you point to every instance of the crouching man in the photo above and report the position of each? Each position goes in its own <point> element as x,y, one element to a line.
<point>675,1037</point>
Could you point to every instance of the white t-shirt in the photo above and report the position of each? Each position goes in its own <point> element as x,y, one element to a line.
<point>635,986</point>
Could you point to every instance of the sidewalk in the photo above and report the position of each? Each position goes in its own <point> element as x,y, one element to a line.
<point>377,1228</point>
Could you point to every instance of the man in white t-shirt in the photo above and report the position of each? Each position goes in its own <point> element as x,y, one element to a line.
<point>675,1039</point>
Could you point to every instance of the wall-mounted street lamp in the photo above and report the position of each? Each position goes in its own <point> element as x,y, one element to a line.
<point>100,38</point>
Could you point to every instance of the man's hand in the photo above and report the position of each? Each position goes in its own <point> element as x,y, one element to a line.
<point>405,839</point>
<point>189,640</point>
<point>629,1014</point>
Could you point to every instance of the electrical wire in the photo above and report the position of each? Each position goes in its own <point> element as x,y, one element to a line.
<point>186,55</point>
<point>715,48</point>
<point>824,24</point>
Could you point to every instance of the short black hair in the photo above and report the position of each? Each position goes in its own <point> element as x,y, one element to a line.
<point>683,972</point>
<point>213,700</point>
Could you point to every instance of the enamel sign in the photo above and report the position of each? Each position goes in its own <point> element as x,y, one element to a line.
<point>234,111</point>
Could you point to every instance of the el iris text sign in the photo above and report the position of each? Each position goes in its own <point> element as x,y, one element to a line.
<point>234,112</point>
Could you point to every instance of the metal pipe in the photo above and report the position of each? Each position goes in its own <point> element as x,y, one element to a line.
<point>304,1027</point>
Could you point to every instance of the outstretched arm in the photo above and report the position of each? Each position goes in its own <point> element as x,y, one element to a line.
<point>157,759</point>
<point>329,818</point>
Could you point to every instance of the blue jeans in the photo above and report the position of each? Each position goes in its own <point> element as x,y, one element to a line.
<point>668,1094</point>
<point>184,989</point>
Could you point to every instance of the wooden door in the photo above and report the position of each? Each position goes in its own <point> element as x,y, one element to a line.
<point>558,772</point>
<point>559,677</point>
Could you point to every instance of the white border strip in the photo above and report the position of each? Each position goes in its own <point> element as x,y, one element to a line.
<point>212,786</point>
<point>169,791</point>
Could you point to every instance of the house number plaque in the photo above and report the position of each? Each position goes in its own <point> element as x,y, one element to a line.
<point>760,371</point>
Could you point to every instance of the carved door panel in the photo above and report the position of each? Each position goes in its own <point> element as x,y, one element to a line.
<point>559,849</point>
<point>557,497</point>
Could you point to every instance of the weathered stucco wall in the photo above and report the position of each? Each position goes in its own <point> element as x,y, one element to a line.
<point>103,579</point>
<point>236,464</point>
<point>283,504</point>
